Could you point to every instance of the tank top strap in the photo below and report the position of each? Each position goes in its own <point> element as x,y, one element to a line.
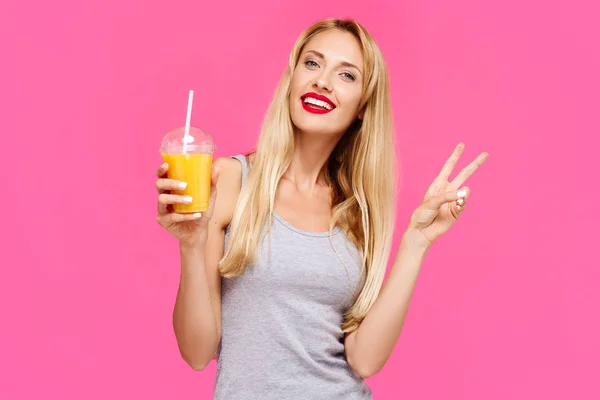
<point>245,166</point>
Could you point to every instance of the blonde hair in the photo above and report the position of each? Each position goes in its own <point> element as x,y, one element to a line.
<point>361,171</point>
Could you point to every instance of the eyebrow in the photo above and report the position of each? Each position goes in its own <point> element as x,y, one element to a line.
<point>344,63</point>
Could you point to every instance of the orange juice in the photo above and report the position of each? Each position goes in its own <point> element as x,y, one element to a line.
<point>195,170</point>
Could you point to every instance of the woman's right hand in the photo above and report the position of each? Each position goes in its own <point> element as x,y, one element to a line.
<point>190,229</point>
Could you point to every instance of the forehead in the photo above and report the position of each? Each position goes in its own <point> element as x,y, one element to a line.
<point>336,46</point>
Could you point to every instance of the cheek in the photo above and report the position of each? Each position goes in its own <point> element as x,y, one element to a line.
<point>294,82</point>
<point>297,80</point>
<point>352,99</point>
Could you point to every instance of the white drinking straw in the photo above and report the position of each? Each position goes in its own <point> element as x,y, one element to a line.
<point>188,118</point>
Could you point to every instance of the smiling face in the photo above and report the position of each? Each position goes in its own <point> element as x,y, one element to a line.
<point>327,84</point>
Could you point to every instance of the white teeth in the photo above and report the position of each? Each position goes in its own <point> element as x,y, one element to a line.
<point>310,100</point>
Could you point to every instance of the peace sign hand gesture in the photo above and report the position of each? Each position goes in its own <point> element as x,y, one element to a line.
<point>444,202</point>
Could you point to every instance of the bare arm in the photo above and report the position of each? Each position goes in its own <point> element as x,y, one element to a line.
<point>197,312</point>
<point>194,319</point>
<point>369,347</point>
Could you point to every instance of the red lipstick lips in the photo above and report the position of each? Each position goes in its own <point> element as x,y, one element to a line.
<point>314,109</point>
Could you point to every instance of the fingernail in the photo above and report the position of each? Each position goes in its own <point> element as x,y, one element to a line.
<point>462,193</point>
<point>165,165</point>
<point>458,207</point>
<point>460,201</point>
<point>182,185</point>
<point>187,199</point>
<point>197,215</point>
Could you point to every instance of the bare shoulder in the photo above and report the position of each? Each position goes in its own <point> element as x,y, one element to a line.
<point>228,190</point>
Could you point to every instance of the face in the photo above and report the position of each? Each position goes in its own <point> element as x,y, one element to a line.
<point>327,84</point>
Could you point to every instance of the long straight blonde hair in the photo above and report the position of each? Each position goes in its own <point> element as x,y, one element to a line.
<point>361,170</point>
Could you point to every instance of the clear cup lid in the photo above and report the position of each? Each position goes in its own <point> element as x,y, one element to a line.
<point>197,141</point>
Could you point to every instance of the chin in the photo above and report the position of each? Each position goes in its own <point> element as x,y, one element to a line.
<point>313,124</point>
<point>309,128</point>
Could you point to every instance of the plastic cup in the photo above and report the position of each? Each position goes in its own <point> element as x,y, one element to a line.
<point>190,161</point>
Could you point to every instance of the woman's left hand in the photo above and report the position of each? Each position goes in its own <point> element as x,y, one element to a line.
<point>444,201</point>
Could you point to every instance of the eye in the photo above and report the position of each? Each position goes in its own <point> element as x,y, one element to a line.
<point>349,76</point>
<point>311,64</point>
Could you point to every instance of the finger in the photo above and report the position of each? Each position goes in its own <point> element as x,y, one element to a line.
<point>175,217</point>
<point>458,210</point>
<point>467,171</point>
<point>451,162</point>
<point>162,171</point>
<point>163,209</point>
<point>436,202</point>
<point>165,198</point>
<point>169,184</point>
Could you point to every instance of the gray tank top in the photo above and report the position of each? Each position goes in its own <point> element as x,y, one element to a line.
<point>281,319</point>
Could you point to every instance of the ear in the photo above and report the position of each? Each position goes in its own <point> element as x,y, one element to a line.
<point>361,114</point>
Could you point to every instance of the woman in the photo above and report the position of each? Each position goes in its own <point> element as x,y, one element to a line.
<point>281,277</point>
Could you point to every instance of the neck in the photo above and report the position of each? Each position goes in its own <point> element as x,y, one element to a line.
<point>311,153</point>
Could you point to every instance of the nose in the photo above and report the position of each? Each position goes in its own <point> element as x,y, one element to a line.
<point>323,82</point>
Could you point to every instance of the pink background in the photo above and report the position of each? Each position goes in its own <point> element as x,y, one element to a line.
<point>506,305</point>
